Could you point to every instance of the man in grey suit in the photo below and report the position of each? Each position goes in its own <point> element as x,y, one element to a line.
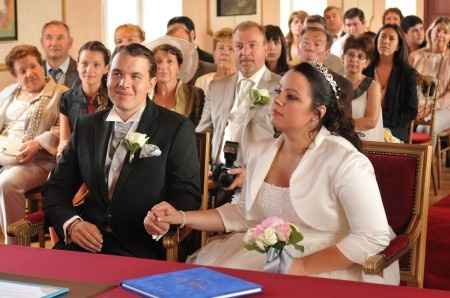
<point>229,109</point>
<point>56,42</point>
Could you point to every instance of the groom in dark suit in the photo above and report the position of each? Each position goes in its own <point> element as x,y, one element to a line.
<point>123,186</point>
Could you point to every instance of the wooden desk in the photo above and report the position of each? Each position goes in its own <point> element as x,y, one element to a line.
<point>95,268</point>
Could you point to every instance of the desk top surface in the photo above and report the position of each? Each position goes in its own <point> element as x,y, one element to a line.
<point>96,268</point>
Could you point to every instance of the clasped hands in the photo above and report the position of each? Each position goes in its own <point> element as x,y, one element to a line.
<point>160,217</point>
<point>27,151</point>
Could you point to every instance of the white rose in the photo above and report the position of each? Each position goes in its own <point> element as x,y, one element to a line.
<point>264,92</point>
<point>270,237</point>
<point>137,138</point>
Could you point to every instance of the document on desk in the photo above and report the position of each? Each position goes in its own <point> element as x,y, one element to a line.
<point>14,289</point>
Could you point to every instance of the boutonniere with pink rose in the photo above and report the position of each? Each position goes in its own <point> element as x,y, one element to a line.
<point>271,237</point>
<point>135,141</point>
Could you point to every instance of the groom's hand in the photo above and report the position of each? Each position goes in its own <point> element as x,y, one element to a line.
<point>86,235</point>
<point>158,219</point>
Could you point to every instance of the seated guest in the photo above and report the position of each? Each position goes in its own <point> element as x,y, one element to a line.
<point>366,106</point>
<point>198,67</point>
<point>28,118</point>
<point>332,62</point>
<point>296,21</point>
<point>89,96</point>
<point>128,33</point>
<point>354,25</point>
<point>314,46</point>
<point>397,79</point>
<point>223,58</point>
<point>169,91</point>
<point>412,27</point>
<point>188,24</point>
<point>276,55</point>
<point>334,23</point>
<point>434,60</point>
<point>392,16</point>
<point>123,182</point>
<point>57,42</point>
<point>314,176</point>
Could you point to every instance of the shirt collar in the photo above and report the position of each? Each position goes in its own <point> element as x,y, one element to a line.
<point>64,66</point>
<point>255,78</point>
<point>113,116</point>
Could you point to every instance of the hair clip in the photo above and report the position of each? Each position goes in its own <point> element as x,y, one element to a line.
<point>329,77</point>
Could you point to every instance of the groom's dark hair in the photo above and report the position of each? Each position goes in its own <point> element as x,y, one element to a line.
<point>136,50</point>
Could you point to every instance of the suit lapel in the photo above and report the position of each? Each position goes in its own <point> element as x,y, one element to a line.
<point>102,132</point>
<point>148,125</point>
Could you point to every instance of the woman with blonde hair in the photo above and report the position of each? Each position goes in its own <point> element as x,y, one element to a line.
<point>434,60</point>
<point>296,21</point>
<point>223,59</point>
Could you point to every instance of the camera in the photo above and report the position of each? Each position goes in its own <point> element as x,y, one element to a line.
<point>220,172</point>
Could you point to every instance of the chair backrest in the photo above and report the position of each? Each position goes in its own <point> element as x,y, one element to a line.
<point>403,175</point>
<point>204,154</point>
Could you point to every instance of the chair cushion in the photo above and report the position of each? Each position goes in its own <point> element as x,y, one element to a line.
<point>420,137</point>
<point>35,217</point>
<point>397,186</point>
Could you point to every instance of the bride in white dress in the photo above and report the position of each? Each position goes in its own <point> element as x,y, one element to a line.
<point>313,175</point>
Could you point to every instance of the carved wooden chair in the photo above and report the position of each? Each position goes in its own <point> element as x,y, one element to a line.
<point>173,240</point>
<point>403,176</point>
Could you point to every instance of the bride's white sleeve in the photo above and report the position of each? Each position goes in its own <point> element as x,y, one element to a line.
<point>357,190</point>
<point>233,216</point>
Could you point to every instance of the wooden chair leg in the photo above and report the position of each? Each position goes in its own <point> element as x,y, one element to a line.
<point>433,178</point>
<point>438,161</point>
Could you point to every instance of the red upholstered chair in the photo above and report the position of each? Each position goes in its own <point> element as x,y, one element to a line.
<point>403,176</point>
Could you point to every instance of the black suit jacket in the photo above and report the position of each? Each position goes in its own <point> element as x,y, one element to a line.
<point>400,100</point>
<point>173,176</point>
<point>72,77</point>
<point>205,56</point>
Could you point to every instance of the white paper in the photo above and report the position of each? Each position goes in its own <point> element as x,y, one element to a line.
<point>11,289</point>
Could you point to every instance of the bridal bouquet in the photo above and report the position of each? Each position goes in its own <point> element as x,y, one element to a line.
<point>270,237</point>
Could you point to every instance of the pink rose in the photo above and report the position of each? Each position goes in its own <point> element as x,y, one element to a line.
<point>283,232</point>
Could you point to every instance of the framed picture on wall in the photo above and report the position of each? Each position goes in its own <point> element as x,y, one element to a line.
<point>227,8</point>
<point>229,13</point>
<point>8,20</point>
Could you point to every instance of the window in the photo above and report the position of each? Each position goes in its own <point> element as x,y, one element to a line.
<point>288,6</point>
<point>152,16</point>
<point>408,7</point>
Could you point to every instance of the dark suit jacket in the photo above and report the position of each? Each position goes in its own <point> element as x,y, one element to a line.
<point>205,56</point>
<point>173,176</point>
<point>400,100</point>
<point>72,77</point>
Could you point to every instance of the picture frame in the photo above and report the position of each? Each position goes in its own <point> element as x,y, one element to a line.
<point>8,20</point>
<point>229,13</point>
<point>227,8</point>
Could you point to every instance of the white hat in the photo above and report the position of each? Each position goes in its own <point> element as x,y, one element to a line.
<point>190,55</point>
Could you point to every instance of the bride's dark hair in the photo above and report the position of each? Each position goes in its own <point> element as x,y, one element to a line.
<point>334,119</point>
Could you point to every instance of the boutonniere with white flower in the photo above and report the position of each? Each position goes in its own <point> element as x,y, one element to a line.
<point>259,97</point>
<point>135,141</point>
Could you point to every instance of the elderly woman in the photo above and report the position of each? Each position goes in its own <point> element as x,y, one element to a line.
<point>169,91</point>
<point>390,68</point>
<point>89,96</point>
<point>434,60</point>
<point>28,131</point>
<point>223,58</point>
<point>314,176</point>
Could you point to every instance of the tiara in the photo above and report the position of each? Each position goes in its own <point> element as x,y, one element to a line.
<point>329,77</point>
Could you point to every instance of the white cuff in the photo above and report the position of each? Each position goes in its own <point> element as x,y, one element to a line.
<point>67,224</point>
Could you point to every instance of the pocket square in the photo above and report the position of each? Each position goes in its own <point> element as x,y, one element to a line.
<point>149,150</point>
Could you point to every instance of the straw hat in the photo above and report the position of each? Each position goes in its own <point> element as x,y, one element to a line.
<point>190,55</point>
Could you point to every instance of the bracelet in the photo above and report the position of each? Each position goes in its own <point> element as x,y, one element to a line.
<point>183,222</point>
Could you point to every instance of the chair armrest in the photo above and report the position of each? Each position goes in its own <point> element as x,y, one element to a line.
<point>171,242</point>
<point>396,249</point>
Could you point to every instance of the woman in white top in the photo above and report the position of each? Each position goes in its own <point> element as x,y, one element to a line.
<point>366,106</point>
<point>223,58</point>
<point>434,60</point>
<point>314,176</point>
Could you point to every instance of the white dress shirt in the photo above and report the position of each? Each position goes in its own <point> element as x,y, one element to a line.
<point>63,67</point>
